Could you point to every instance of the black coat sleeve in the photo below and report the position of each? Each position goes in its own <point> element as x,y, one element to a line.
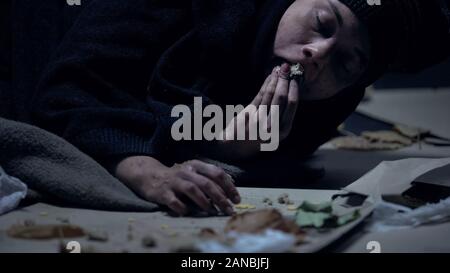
<point>93,91</point>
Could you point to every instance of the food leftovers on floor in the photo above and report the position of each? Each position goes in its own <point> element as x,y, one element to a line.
<point>42,232</point>
<point>322,215</point>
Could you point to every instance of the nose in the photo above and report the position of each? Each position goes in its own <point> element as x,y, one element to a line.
<point>317,54</point>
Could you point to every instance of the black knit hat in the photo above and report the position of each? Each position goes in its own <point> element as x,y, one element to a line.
<point>406,35</point>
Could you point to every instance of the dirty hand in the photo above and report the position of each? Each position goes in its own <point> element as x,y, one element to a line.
<point>205,184</point>
<point>278,89</point>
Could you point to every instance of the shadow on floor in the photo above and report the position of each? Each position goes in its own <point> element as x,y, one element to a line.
<point>327,169</point>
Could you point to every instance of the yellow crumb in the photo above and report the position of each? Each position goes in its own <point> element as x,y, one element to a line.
<point>245,206</point>
<point>292,207</point>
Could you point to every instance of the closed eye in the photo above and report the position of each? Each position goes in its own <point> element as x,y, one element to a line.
<point>322,28</point>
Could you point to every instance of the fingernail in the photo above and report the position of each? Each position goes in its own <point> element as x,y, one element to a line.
<point>276,70</point>
<point>286,68</point>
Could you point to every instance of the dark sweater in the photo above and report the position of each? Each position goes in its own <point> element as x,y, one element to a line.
<point>105,75</point>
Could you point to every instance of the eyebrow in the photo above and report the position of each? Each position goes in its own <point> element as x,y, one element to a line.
<point>337,13</point>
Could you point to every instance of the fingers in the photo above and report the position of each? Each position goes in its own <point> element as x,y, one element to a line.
<point>203,183</point>
<point>291,107</point>
<point>170,200</point>
<point>277,91</point>
<point>221,178</point>
<point>269,91</point>
<point>282,89</point>
<point>190,189</point>
<point>258,99</point>
<point>214,192</point>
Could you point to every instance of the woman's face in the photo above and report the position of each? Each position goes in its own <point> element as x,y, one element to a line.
<point>327,39</point>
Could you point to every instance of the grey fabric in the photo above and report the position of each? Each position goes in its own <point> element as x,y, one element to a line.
<point>55,170</point>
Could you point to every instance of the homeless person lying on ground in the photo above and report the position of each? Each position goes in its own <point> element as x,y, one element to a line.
<point>113,70</point>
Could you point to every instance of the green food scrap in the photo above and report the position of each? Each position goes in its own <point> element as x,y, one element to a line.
<point>321,207</point>
<point>321,215</point>
<point>347,218</point>
<point>312,219</point>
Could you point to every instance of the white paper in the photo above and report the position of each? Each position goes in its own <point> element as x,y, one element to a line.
<point>394,177</point>
<point>12,190</point>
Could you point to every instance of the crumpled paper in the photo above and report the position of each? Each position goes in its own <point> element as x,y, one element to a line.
<point>387,217</point>
<point>12,190</point>
<point>394,177</point>
<point>269,241</point>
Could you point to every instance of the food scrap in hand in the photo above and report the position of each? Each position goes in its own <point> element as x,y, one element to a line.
<point>296,71</point>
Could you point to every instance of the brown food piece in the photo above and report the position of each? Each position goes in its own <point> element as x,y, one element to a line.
<point>361,143</point>
<point>207,233</point>
<point>410,132</point>
<point>42,232</point>
<point>387,137</point>
<point>260,220</point>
